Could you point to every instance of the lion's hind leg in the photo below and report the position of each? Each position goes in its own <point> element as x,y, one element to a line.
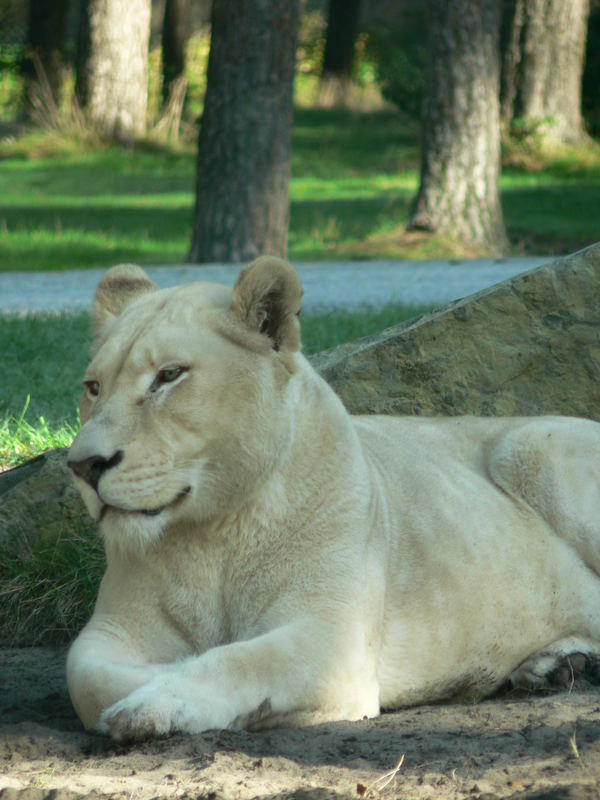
<point>553,465</point>
<point>560,664</point>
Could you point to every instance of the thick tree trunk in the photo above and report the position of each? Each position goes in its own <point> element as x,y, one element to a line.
<point>117,67</point>
<point>242,192</point>
<point>543,66</point>
<point>173,38</point>
<point>460,171</point>
<point>340,39</point>
<point>44,67</point>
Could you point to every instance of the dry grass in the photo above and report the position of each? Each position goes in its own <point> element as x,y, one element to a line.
<point>48,585</point>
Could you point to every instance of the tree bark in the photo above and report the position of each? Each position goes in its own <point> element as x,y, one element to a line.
<point>82,53</point>
<point>44,63</point>
<point>242,190</point>
<point>117,67</point>
<point>340,39</point>
<point>460,169</point>
<point>543,67</point>
<point>173,38</point>
<point>513,19</point>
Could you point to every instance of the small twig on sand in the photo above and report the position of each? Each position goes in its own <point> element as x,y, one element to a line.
<point>381,783</point>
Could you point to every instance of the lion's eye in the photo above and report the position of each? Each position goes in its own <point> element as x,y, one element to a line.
<point>92,387</point>
<point>169,374</point>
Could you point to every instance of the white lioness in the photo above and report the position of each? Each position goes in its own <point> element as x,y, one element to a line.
<point>271,558</point>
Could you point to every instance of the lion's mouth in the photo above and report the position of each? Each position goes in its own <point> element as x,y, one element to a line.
<point>148,512</point>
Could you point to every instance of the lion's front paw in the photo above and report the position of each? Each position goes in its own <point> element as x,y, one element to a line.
<point>141,715</point>
<point>160,708</point>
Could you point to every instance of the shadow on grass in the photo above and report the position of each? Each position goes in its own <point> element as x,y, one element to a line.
<point>113,172</point>
<point>327,224</point>
<point>62,236</point>
<point>336,142</point>
<point>560,218</point>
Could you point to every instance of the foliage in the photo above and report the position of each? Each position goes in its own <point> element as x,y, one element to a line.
<point>311,42</point>
<point>11,89</point>
<point>399,55</point>
<point>196,62</point>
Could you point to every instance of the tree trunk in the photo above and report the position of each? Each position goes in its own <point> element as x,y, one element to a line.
<point>340,39</point>
<point>117,67</point>
<point>44,67</point>
<point>543,66</point>
<point>174,30</point>
<point>82,53</point>
<point>460,170</point>
<point>242,199</point>
<point>513,18</point>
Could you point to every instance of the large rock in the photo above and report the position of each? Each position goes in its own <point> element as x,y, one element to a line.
<point>51,559</point>
<point>528,346</point>
<point>39,499</point>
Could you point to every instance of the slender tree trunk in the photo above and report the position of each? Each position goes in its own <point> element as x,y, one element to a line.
<point>513,19</point>
<point>460,171</point>
<point>340,39</point>
<point>173,38</point>
<point>543,66</point>
<point>117,67</point>
<point>82,53</point>
<point>242,197</point>
<point>44,63</point>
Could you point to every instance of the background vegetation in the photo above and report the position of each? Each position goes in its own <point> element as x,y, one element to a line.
<point>71,200</point>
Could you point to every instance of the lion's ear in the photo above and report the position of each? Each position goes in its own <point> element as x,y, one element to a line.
<point>267,297</point>
<point>119,287</point>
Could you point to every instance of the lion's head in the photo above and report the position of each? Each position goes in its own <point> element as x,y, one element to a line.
<point>188,399</point>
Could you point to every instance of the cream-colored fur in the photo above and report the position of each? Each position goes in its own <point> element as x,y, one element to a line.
<point>271,558</point>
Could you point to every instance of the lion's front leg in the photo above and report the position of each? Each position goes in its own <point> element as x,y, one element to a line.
<point>294,669</point>
<point>101,670</point>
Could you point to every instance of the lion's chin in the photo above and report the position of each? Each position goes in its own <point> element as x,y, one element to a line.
<point>131,534</point>
<point>134,531</point>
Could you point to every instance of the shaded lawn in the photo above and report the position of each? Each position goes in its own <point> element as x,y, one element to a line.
<point>353,180</point>
<point>551,216</point>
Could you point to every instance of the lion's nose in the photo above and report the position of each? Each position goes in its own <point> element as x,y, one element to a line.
<point>91,469</point>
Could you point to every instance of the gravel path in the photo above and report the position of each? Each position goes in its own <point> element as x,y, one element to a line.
<point>327,285</point>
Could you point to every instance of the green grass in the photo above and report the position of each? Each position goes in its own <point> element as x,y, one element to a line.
<point>43,357</point>
<point>21,440</point>
<point>322,331</point>
<point>94,209</point>
<point>67,203</point>
<point>48,586</point>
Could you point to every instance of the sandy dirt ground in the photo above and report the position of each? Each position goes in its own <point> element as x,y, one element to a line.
<point>543,746</point>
